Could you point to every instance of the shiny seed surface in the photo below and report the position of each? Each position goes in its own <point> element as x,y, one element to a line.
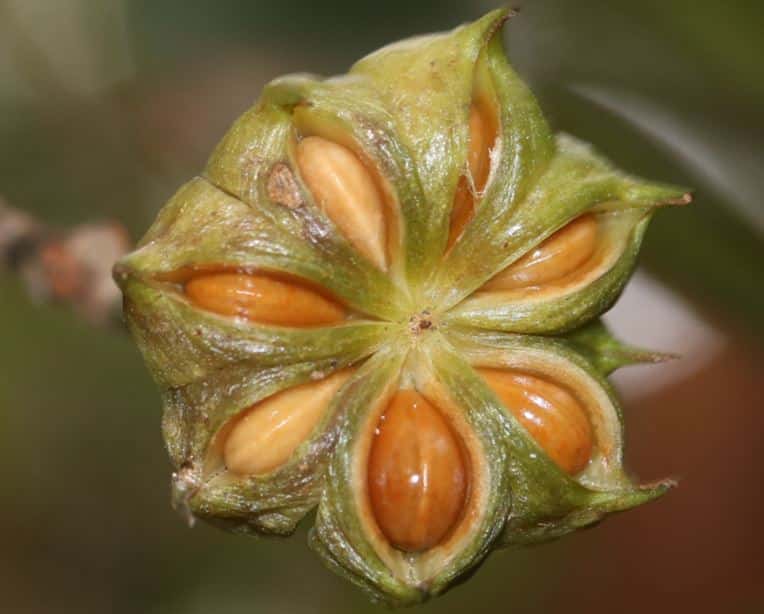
<point>482,131</point>
<point>345,189</point>
<point>262,299</point>
<point>418,478</point>
<point>549,412</point>
<point>558,256</point>
<point>266,435</point>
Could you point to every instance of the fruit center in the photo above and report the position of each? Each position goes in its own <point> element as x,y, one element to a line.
<point>422,322</point>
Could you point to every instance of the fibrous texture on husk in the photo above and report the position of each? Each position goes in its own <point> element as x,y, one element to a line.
<point>380,302</point>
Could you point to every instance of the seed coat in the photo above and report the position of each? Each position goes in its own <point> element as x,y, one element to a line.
<point>345,189</point>
<point>417,474</point>
<point>264,437</point>
<point>262,299</point>
<point>550,413</point>
<point>483,131</point>
<point>560,255</point>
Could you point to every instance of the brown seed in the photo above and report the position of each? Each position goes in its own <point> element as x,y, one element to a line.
<point>265,436</point>
<point>262,299</point>
<point>550,413</point>
<point>417,474</point>
<point>345,189</point>
<point>560,255</point>
<point>483,133</point>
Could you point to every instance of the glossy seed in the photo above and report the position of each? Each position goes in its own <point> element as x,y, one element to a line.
<point>345,189</point>
<point>482,131</point>
<point>550,413</point>
<point>265,436</point>
<point>262,299</point>
<point>560,255</point>
<point>417,474</point>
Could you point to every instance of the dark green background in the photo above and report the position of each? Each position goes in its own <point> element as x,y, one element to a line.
<point>85,507</point>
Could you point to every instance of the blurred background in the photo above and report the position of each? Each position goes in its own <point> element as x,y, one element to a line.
<point>106,106</point>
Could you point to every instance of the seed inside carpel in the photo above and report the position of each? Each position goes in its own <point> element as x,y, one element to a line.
<point>558,256</point>
<point>262,299</point>
<point>549,412</point>
<point>345,190</point>
<point>417,474</point>
<point>483,132</point>
<point>265,436</point>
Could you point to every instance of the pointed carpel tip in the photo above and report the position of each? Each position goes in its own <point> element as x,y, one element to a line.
<point>678,201</point>
<point>120,272</point>
<point>496,20</point>
<point>499,17</point>
<point>636,356</point>
<point>660,357</point>
<point>665,484</point>
<point>184,486</point>
<point>684,199</point>
<point>509,12</point>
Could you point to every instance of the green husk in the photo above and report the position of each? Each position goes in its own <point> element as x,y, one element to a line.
<point>426,322</point>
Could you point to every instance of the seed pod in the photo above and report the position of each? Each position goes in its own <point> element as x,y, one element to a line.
<point>380,302</point>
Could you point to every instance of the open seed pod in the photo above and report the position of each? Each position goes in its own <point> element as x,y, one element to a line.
<point>380,302</point>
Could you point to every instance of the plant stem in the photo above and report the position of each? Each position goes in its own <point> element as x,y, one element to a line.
<point>70,267</point>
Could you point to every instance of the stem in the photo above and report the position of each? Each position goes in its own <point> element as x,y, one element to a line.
<point>70,267</point>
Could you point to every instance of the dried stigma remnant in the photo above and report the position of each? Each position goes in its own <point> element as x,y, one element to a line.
<point>393,318</point>
<point>282,186</point>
